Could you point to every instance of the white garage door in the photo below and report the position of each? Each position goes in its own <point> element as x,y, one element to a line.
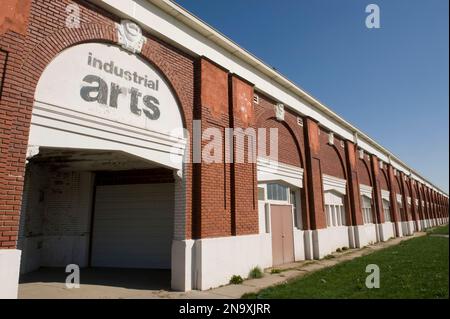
<point>133,226</point>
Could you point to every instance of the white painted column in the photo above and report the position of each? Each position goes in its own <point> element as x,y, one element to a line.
<point>9,273</point>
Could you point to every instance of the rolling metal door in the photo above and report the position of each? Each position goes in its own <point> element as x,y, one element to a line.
<point>133,226</point>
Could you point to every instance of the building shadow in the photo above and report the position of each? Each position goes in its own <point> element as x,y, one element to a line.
<point>138,279</point>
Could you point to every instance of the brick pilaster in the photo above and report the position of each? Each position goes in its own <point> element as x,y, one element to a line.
<point>354,194</point>
<point>314,174</point>
<point>393,199</point>
<point>407,208</point>
<point>378,200</point>
<point>244,201</point>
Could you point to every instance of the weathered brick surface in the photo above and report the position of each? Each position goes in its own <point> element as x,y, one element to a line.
<point>244,208</point>
<point>220,198</point>
<point>27,56</point>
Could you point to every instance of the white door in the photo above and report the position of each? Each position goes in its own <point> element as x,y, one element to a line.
<point>133,226</point>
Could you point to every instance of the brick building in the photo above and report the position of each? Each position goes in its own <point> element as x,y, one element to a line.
<point>100,106</point>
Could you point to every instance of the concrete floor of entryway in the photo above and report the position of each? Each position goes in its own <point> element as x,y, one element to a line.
<point>97,283</point>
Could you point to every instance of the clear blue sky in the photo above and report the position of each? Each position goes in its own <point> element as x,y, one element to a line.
<point>391,82</point>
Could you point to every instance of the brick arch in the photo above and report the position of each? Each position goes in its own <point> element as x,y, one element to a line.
<point>330,154</point>
<point>384,181</point>
<point>408,191</point>
<point>397,185</point>
<point>364,175</point>
<point>266,117</point>
<point>44,52</point>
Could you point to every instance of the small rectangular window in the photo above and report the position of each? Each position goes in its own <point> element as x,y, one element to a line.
<point>387,210</point>
<point>261,193</point>
<point>277,192</point>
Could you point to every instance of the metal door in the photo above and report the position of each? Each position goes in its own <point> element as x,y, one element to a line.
<point>282,235</point>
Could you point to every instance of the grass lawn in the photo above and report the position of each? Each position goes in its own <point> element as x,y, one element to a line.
<point>443,230</point>
<point>417,268</point>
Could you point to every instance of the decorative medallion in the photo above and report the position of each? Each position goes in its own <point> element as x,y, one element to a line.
<point>130,36</point>
<point>279,111</point>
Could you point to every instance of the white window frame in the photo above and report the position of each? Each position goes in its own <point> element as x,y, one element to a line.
<point>366,209</point>
<point>278,201</point>
<point>335,212</point>
<point>387,210</point>
<point>297,208</point>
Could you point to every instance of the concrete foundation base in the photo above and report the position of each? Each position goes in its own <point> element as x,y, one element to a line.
<point>387,231</point>
<point>207,263</point>
<point>9,273</point>
<point>365,235</point>
<point>327,240</point>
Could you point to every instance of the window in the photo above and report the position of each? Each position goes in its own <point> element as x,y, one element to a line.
<point>366,210</point>
<point>334,209</point>
<point>335,215</point>
<point>261,195</point>
<point>277,192</point>
<point>387,210</point>
<point>296,209</point>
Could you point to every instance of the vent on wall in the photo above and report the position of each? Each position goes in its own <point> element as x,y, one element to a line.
<point>256,98</point>
<point>342,144</point>
<point>299,121</point>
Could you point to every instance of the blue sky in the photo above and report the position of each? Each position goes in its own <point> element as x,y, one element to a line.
<point>391,82</point>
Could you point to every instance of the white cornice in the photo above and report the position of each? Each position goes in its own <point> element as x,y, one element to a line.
<point>386,195</point>
<point>365,190</point>
<point>334,183</point>
<point>169,21</point>
<point>269,170</point>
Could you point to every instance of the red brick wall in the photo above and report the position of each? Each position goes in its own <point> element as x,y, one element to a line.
<point>244,206</point>
<point>384,180</point>
<point>28,55</point>
<point>290,133</point>
<point>212,198</point>
<point>364,174</point>
<point>221,200</point>
<point>332,157</point>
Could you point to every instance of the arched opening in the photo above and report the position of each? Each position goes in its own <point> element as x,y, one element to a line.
<point>281,198</point>
<point>104,164</point>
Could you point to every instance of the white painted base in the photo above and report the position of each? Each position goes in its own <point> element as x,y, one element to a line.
<point>412,226</point>
<point>327,240</point>
<point>422,223</point>
<point>387,231</point>
<point>182,271</point>
<point>407,228</point>
<point>418,225</point>
<point>218,259</point>
<point>207,263</point>
<point>399,229</point>
<point>9,273</point>
<point>308,242</point>
<point>299,245</point>
<point>365,235</point>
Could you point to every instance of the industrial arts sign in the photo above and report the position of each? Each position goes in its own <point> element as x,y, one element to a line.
<point>105,81</point>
